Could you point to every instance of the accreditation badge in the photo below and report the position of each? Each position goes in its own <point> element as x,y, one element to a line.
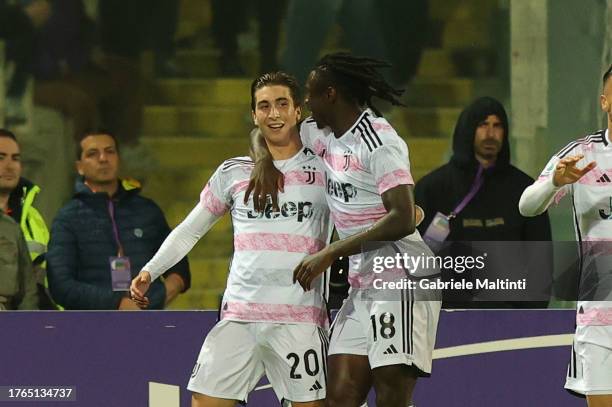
<point>438,229</point>
<point>121,275</point>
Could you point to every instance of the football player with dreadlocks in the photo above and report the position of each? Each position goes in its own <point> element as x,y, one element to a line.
<point>385,341</point>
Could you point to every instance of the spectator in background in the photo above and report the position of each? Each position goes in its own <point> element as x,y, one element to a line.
<point>18,25</point>
<point>107,218</point>
<point>17,285</point>
<point>475,196</point>
<point>61,56</point>
<point>72,75</point>
<point>231,17</point>
<point>405,31</point>
<point>163,22</point>
<point>388,29</point>
<point>129,27</point>
<point>17,196</point>
<point>17,282</point>
<point>309,22</point>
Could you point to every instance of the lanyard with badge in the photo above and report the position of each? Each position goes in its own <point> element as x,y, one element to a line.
<point>439,228</point>
<point>121,275</point>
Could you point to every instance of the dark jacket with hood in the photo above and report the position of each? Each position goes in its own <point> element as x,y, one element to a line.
<point>82,241</point>
<point>493,212</point>
<point>492,215</point>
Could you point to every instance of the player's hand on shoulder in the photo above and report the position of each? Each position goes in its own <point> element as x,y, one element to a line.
<point>567,171</point>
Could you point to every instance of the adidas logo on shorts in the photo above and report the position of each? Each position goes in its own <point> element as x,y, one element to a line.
<point>604,179</point>
<point>316,386</point>
<point>390,350</point>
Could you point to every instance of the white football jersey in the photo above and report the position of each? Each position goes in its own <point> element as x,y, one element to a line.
<point>268,245</point>
<point>362,164</point>
<point>591,199</point>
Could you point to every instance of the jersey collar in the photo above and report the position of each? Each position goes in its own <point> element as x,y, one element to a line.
<point>280,164</point>
<point>355,126</point>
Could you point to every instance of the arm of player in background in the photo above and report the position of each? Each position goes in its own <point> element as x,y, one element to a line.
<point>396,224</point>
<point>176,246</point>
<point>538,197</point>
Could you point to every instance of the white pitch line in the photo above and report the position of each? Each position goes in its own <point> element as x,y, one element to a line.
<point>532,342</point>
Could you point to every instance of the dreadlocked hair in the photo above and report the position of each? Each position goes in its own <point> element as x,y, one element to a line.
<point>359,78</point>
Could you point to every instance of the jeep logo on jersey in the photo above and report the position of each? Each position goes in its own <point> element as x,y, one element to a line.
<point>342,190</point>
<point>303,210</point>
<point>604,215</point>
<point>310,173</point>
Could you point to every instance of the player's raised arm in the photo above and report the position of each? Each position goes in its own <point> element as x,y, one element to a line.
<point>558,173</point>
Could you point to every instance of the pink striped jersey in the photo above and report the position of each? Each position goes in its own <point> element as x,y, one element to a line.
<point>362,164</point>
<point>591,198</point>
<point>268,245</point>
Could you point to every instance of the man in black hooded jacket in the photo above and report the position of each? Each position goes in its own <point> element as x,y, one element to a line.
<point>481,146</point>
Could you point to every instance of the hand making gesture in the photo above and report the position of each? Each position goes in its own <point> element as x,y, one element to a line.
<point>567,172</point>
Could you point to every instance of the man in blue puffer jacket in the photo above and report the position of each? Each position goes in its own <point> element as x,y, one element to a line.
<point>107,225</point>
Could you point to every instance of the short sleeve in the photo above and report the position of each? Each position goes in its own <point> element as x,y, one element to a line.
<point>390,165</point>
<point>312,137</point>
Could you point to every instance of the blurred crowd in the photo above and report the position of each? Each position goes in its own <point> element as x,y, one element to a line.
<point>84,55</point>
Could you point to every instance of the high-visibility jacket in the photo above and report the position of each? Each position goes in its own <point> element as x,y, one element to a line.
<point>35,231</point>
<point>33,226</point>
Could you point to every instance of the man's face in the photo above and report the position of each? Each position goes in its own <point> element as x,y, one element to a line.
<point>99,163</point>
<point>489,137</point>
<point>10,164</point>
<point>317,100</point>
<point>275,113</point>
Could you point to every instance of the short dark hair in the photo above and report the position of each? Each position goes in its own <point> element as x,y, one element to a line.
<point>8,134</point>
<point>94,132</point>
<point>607,75</point>
<point>277,78</point>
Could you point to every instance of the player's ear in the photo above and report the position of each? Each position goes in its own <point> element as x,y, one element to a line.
<point>298,112</point>
<point>78,167</point>
<point>254,117</point>
<point>605,103</point>
<point>332,94</point>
